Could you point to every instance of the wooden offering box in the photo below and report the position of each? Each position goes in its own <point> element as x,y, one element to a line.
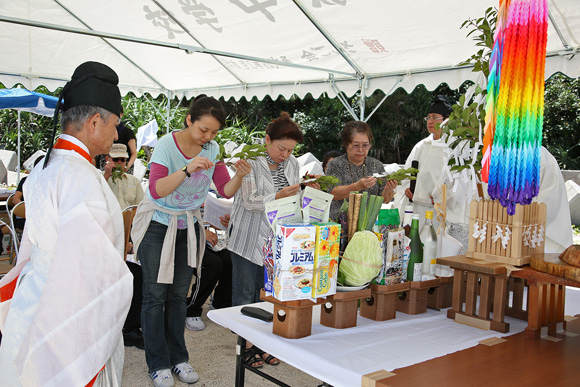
<point>440,297</point>
<point>340,310</point>
<point>513,239</point>
<point>414,300</point>
<point>382,303</point>
<point>292,319</point>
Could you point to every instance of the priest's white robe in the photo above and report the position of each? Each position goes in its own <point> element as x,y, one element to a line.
<point>65,319</point>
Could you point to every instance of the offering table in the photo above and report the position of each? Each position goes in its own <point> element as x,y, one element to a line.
<point>545,296</point>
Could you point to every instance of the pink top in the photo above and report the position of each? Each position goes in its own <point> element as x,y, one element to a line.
<point>220,176</point>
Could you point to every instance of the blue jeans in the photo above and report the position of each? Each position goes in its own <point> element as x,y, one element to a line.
<point>164,305</point>
<point>247,280</point>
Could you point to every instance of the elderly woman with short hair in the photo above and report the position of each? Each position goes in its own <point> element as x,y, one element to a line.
<point>355,168</point>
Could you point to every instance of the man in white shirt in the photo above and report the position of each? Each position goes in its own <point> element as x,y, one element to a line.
<point>63,306</point>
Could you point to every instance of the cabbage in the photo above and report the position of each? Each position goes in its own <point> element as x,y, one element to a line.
<point>362,259</point>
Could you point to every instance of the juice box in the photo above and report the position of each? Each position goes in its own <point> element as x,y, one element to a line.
<point>326,259</point>
<point>294,261</point>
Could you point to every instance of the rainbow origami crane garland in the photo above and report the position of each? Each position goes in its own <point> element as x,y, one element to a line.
<point>515,103</point>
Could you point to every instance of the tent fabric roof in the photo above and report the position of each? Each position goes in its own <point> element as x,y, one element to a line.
<point>187,47</point>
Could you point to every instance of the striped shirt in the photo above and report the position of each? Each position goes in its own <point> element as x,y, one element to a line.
<point>249,226</point>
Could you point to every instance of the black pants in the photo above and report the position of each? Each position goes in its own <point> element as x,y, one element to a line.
<point>133,320</point>
<point>216,267</point>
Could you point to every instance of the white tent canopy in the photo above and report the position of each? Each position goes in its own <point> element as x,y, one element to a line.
<point>247,48</point>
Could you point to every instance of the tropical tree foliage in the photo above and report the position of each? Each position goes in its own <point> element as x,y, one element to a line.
<point>562,120</point>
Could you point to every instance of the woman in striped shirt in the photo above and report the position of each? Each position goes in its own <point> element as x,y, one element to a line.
<point>272,177</point>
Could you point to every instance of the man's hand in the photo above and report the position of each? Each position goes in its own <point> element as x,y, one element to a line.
<point>109,165</point>
<point>211,237</point>
<point>409,194</point>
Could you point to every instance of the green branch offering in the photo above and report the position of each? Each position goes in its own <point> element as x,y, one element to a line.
<point>117,173</point>
<point>248,152</point>
<point>325,182</point>
<point>400,175</point>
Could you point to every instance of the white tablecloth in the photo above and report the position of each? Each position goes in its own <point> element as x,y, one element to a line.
<point>341,357</point>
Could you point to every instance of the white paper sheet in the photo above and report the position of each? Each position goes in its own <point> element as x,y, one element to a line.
<point>214,208</point>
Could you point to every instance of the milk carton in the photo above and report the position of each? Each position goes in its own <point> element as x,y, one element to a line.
<point>294,261</point>
<point>326,259</point>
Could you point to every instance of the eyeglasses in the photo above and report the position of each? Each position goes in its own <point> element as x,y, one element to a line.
<point>360,146</point>
<point>119,159</point>
<point>433,118</point>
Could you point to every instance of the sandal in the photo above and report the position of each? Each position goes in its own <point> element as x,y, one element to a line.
<point>271,360</point>
<point>252,358</point>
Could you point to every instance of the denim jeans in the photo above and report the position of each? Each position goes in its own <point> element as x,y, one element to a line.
<point>164,305</point>
<point>247,280</point>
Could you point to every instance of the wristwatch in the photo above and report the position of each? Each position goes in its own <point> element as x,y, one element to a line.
<point>184,169</point>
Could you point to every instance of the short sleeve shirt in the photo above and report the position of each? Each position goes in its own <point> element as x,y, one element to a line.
<point>192,191</point>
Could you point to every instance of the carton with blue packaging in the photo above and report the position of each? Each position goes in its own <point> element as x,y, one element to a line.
<point>294,261</point>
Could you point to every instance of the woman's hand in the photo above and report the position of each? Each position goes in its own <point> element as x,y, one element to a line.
<point>367,182</point>
<point>409,194</point>
<point>243,168</point>
<point>313,185</point>
<point>291,190</point>
<point>198,164</point>
<point>389,190</point>
<point>211,237</point>
<point>225,221</point>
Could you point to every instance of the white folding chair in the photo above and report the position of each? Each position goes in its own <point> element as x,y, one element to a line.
<point>13,258</point>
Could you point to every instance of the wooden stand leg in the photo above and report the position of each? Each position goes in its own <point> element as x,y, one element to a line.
<point>533,330</point>
<point>484,297</point>
<point>499,304</point>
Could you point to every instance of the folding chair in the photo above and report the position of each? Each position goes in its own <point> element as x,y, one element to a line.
<point>128,215</point>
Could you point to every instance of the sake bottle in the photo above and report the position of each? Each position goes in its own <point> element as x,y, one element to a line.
<point>429,239</point>
<point>407,218</point>
<point>415,265</point>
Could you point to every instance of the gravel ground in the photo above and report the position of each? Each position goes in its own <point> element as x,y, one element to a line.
<point>212,354</point>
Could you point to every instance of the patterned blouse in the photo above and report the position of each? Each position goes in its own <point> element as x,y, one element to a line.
<point>349,173</point>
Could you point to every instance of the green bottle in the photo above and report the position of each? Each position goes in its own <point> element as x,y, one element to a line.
<point>415,266</point>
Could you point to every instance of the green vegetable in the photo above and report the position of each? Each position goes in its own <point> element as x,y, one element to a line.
<point>362,259</point>
<point>363,211</point>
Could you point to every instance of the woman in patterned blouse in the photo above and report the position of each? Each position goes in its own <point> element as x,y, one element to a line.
<point>355,168</point>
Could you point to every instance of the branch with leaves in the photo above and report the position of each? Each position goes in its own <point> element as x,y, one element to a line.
<point>248,152</point>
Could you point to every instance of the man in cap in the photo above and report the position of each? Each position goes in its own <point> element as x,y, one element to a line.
<point>63,306</point>
<point>429,153</point>
<point>126,187</point>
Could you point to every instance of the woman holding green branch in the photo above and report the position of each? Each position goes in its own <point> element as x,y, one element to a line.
<point>355,168</point>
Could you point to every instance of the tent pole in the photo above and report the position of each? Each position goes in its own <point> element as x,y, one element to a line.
<point>341,97</point>
<point>18,165</point>
<point>384,99</point>
<point>168,111</point>
<point>361,103</point>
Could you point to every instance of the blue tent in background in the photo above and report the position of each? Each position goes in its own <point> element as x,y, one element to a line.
<point>28,101</point>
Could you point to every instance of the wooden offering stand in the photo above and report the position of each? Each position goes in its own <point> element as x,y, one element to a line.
<point>382,303</point>
<point>513,239</point>
<point>493,289</point>
<point>340,310</point>
<point>414,300</point>
<point>292,319</point>
<point>441,297</point>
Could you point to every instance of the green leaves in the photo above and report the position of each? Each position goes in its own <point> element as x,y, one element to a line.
<point>482,30</point>
<point>400,175</point>
<point>117,173</point>
<point>248,152</point>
